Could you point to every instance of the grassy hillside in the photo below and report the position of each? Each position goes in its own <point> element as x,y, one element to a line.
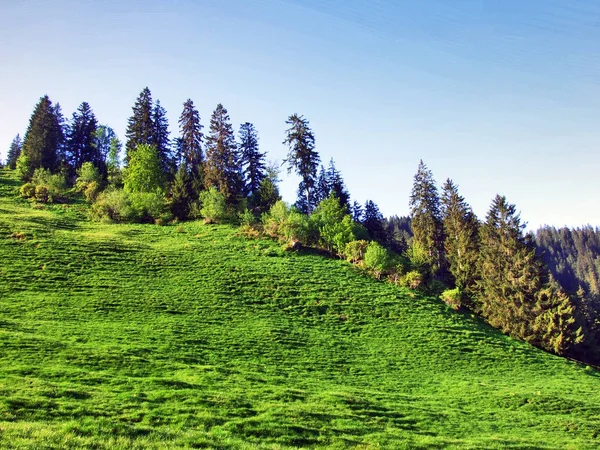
<point>140,336</point>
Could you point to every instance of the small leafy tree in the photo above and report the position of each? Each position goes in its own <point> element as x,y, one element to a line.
<point>89,181</point>
<point>144,172</point>
<point>214,206</point>
<point>378,259</point>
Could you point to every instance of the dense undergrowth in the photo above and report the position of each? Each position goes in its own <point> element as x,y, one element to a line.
<point>190,335</point>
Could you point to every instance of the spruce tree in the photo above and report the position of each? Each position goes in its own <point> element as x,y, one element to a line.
<point>81,138</point>
<point>252,160</point>
<point>373,222</point>
<point>14,152</point>
<point>357,212</point>
<point>160,137</point>
<point>461,237</point>
<point>515,292</point>
<point>140,126</point>
<point>337,186</point>
<point>303,159</point>
<point>268,191</point>
<point>426,219</point>
<point>43,137</point>
<point>222,169</point>
<point>322,189</point>
<point>181,195</point>
<point>190,129</point>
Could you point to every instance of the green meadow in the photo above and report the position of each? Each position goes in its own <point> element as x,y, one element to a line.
<point>193,336</point>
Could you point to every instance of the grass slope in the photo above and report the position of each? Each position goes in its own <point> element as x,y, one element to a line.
<point>133,336</point>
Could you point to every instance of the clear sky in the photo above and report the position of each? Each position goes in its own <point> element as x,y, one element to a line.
<point>502,96</point>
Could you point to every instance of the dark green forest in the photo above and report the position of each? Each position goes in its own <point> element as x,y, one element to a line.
<point>543,289</point>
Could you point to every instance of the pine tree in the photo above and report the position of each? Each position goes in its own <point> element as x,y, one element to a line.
<point>43,137</point>
<point>515,291</point>
<point>461,243</point>
<point>62,128</point>
<point>337,186</point>
<point>303,159</point>
<point>140,126</point>
<point>190,129</point>
<point>268,191</point>
<point>14,152</point>
<point>373,222</point>
<point>222,169</point>
<point>357,212</point>
<point>426,219</point>
<point>322,189</point>
<point>81,138</point>
<point>160,137</point>
<point>181,195</point>
<point>252,160</point>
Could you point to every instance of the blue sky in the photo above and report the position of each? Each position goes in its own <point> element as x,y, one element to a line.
<point>502,96</point>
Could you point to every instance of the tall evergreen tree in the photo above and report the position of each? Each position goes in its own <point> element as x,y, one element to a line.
<point>461,243</point>
<point>426,218</point>
<point>515,293</point>
<point>222,169</point>
<point>14,152</point>
<point>252,160</point>
<point>357,212</point>
<point>322,189</point>
<point>337,186</point>
<point>160,137</point>
<point>81,138</point>
<point>43,137</point>
<point>303,159</point>
<point>190,129</point>
<point>62,129</point>
<point>140,126</point>
<point>373,222</point>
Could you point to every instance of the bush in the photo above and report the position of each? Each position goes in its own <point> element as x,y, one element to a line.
<point>332,225</point>
<point>27,190</point>
<point>149,206</point>
<point>214,207</point>
<point>89,181</point>
<point>355,251</point>
<point>377,259</point>
<point>412,280</point>
<point>42,194</point>
<point>113,205</point>
<point>285,223</point>
<point>52,187</point>
<point>452,297</point>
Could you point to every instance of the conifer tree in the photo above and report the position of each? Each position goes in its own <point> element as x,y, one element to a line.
<point>222,169</point>
<point>81,138</point>
<point>373,222</point>
<point>515,292</point>
<point>140,126</point>
<point>337,186</point>
<point>190,129</point>
<point>14,152</point>
<point>461,238</point>
<point>160,137</point>
<point>43,137</point>
<point>303,159</point>
<point>357,212</point>
<point>268,191</point>
<point>426,219</point>
<point>322,189</point>
<point>252,160</point>
<point>62,128</point>
<point>181,195</point>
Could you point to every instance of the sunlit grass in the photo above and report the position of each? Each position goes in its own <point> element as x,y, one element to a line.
<point>140,336</point>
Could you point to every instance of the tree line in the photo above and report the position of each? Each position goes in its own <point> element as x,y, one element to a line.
<point>491,266</point>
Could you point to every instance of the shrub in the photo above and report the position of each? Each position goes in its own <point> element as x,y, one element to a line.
<point>27,190</point>
<point>355,250</point>
<point>148,206</point>
<point>377,259</point>
<point>452,297</point>
<point>412,280</point>
<point>89,181</point>
<point>246,218</point>
<point>214,207</point>
<point>52,187</point>
<point>332,226</point>
<point>144,174</point>
<point>113,205</point>
<point>42,194</point>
